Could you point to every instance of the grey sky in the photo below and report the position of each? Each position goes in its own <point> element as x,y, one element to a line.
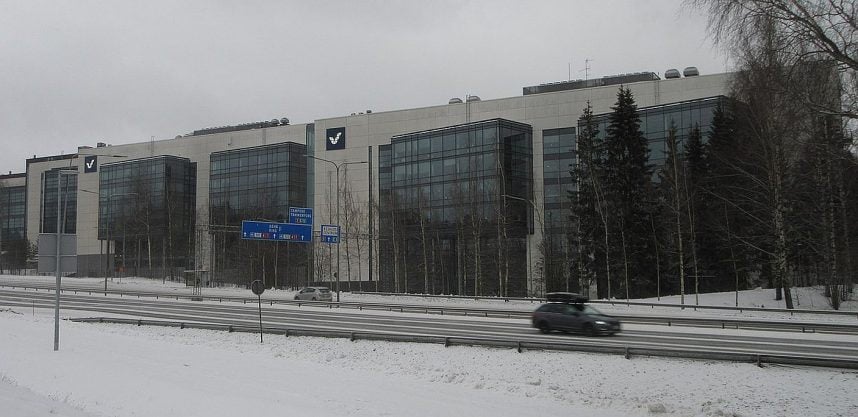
<point>80,72</point>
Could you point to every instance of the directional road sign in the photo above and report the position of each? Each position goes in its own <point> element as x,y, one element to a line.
<point>284,232</point>
<point>330,233</point>
<point>300,215</point>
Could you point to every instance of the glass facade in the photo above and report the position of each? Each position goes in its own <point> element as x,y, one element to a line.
<point>13,230</point>
<point>656,122</point>
<point>147,207</point>
<point>447,188</point>
<point>258,183</point>
<point>559,155</point>
<point>68,202</point>
<point>13,213</point>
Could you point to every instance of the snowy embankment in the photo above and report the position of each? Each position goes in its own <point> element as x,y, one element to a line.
<point>115,370</point>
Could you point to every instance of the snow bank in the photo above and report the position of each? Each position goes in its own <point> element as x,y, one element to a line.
<point>122,371</point>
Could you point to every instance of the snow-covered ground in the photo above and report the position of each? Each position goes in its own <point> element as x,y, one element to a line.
<point>116,370</point>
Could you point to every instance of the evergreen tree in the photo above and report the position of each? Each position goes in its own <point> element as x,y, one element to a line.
<point>726,231</point>
<point>628,186</point>
<point>588,206</point>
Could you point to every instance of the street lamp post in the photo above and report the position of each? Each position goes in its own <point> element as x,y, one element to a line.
<point>339,226</point>
<point>61,222</point>
<point>541,228</point>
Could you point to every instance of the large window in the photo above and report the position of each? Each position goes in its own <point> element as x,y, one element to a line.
<point>68,201</point>
<point>13,213</point>
<point>558,149</point>
<point>444,194</point>
<point>257,183</point>
<point>657,120</point>
<point>147,211</point>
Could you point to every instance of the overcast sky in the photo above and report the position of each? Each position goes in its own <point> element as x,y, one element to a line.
<point>79,72</point>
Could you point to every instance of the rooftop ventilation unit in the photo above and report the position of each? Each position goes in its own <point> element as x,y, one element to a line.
<point>455,100</point>
<point>671,73</point>
<point>690,72</point>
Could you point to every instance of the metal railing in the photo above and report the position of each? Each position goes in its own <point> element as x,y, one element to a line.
<point>760,358</point>
<point>622,303</point>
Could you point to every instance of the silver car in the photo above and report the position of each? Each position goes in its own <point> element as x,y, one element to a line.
<point>314,294</point>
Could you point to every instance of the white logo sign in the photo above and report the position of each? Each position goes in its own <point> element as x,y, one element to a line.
<point>335,139</point>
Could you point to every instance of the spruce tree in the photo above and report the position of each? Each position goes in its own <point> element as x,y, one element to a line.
<point>628,185</point>
<point>588,206</point>
<point>725,228</point>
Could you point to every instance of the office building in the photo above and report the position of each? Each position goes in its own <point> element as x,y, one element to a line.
<point>452,198</point>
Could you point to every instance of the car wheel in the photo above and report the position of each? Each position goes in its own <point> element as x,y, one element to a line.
<point>588,330</point>
<point>544,327</point>
<point>297,298</point>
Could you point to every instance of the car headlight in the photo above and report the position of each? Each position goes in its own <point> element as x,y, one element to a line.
<point>601,323</point>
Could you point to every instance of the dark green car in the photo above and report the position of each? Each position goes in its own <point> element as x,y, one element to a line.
<point>574,317</point>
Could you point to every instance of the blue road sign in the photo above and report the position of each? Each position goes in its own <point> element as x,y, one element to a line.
<point>284,232</point>
<point>300,215</point>
<point>330,233</point>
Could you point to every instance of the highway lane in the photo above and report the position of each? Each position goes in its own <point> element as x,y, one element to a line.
<point>518,310</point>
<point>320,318</point>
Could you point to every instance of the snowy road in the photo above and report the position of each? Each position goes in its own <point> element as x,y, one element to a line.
<point>731,340</point>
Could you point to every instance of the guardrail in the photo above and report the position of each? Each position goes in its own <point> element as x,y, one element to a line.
<point>520,345</point>
<point>622,302</point>
<point>693,307</point>
<point>497,313</point>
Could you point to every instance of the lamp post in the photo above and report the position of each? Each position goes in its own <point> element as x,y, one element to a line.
<point>61,222</point>
<point>541,228</point>
<point>107,225</point>
<point>339,226</point>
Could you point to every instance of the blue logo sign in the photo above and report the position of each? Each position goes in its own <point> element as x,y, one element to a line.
<point>336,138</point>
<point>300,215</point>
<point>284,232</point>
<point>330,233</point>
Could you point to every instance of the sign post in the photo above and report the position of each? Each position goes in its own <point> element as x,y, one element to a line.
<point>258,288</point>
<point>57,252</point>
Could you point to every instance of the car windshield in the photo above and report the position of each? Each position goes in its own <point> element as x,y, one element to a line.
<point>590,311</point>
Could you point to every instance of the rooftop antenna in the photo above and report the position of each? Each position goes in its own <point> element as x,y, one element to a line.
<point>570,69</point>
<point>586,69</point>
